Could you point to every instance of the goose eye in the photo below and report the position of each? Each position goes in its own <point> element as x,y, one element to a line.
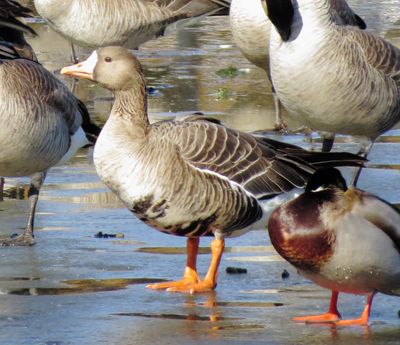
<point>107,59</point>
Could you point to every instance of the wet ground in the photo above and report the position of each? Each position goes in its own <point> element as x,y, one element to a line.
<point>74,288</point>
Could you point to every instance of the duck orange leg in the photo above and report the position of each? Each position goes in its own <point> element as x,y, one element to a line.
<point>363,320</point>
<point>210,280</point>
<point>332,315</point>
<point>190,275</point>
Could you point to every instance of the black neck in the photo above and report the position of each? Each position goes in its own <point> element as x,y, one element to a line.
<point>281,13</point>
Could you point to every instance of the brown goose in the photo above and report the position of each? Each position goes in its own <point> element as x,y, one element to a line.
<point>192,177</point>
<point>251,28</point>
<point>333,78</point>
<point>43,124</point>
<point>99,23</point>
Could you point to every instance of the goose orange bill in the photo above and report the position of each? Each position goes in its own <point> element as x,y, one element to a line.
<point>83,70</point>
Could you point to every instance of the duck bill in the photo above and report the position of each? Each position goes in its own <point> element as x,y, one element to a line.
<point>83,70</point>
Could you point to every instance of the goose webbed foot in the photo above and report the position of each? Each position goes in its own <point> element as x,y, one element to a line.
<point>281,127</point>
<point>202,286</point>
<point>190,277</point>
<point>26,239</point>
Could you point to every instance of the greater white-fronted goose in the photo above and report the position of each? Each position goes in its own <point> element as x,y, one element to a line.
<point>333,78</point>
<point>193,177</point>
<point>43,124</point>
<point>251,28</point>
<point>345,240</point>
<point>99,23</point>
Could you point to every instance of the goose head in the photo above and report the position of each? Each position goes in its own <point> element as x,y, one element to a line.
<point>113,68</point>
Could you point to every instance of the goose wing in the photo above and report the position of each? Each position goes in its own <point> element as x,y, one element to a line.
<point>375,51</point>
<point>263,167</point>
<point>9,10</point>
<point>41,91</point>
<point>194,8</point>
<point>344,15</point>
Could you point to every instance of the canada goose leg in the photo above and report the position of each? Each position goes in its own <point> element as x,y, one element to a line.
<point>209,282</point>
<point>331,316</point>
<point>190,275</point>
<point>363,320</point>
<point>74,58</point>
<point>26,238</point>
<point>327,141</point>
<point>280,124</point>
<point>364,151</point>
<point>1,188</point>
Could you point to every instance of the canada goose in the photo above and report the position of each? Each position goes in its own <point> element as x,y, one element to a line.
<point>345,240</point>
<point>193,177</point>
<point>11,30</point>
<point>333,78</point>
<point>251,28</point>
<point>43,124</point>
<point>99,23</point>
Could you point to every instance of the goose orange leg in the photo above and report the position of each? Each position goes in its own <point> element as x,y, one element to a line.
<point>332,315</point>
<point>210,280</point>
<point>363,320</point>
<point>190,274</point>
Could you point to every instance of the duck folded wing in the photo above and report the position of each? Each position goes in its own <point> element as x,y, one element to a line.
<point>378,212</point>
<point>263,167</point>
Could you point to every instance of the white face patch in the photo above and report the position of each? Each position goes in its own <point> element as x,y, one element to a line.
<point>90,63</point>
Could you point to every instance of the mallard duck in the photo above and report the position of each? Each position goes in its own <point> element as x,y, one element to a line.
<point>43,124</point>
<point>333,78</point>
<point>193,177</point>
<point>343,239</point>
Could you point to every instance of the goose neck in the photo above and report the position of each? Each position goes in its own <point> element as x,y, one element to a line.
<point>317,12</point>
<point>131,106</point>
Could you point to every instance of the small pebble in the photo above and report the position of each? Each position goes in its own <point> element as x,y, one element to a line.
<point>100,234</point>
<point>285,274</point>
<point>236,270</point>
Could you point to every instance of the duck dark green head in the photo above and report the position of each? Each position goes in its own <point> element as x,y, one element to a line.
<point>328,177</point>
<point>280,13</point>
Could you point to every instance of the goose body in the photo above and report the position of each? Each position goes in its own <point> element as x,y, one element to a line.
<point>345,240</point>
<point>251,28</point>
<point>333,78</point>
<point>36,106</point>
<point>42,121</point>
<point>98,23</point>
<point>193,177</point>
